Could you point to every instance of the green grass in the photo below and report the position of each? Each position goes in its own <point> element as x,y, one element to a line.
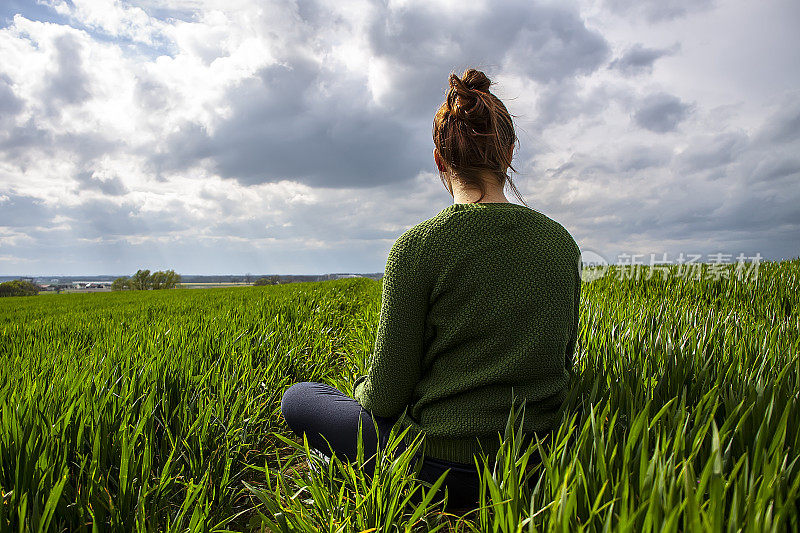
<point>159,411</point>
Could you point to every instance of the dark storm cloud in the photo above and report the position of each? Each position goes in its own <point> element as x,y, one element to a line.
<point>19,211</point>
<point>17,139</point>
<point>89,220</point>
<point>658,10</point>
<point>639,59</point>
<point>104,218</point>
<point>112,187</point>
<point>87,146</point>
<point>299,121</point>
<point>10,104</point>
<point>95,227</point>
<point>151,94</point>
<point>727,188</point>
<point>717,150</point>
<point>746,212</point>
<point>553,43</point>
<point>782,126</point>
<point>562,102</point>
<point>285,126</point>
<point>26,143</point>
<point>547,43</point>
<point>661,112</point>
<point>638,157</point>
<point>776,169</point>
<point>734,215</point>
<point>69,84</point>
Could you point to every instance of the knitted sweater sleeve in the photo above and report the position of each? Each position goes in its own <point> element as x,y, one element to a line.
<point>396,362</point>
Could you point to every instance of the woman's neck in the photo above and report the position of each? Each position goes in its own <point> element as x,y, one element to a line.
<point>465,195</point>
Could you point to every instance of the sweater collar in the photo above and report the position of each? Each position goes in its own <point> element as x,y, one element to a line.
<point>482,205</point>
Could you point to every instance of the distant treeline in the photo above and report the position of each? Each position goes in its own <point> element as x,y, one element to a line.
<point>200,278</point>
<point>143,280</point>
<point>18,287</point>
<point>267,280</point>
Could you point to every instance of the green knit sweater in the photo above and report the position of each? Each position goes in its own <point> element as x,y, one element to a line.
<point>477,301</point>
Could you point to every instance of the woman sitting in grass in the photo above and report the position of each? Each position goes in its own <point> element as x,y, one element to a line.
<point>479,302</point>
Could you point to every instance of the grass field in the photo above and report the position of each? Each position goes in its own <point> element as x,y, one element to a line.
<point>159,411</point>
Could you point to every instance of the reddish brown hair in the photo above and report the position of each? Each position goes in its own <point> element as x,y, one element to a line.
<point>473,133</point>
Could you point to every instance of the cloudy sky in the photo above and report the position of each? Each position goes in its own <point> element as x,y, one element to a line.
<point>295,137</point>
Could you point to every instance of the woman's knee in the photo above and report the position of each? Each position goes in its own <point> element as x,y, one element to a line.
<point>292,402</point>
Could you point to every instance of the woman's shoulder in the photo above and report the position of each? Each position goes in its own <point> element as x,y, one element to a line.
<point>417,240</point>
<point>420,230</point>
<point>449,222</point>
<point>565,235</point>
<point>456,215</point>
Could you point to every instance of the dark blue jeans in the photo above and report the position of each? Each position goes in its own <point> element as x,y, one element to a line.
<point>325,413</point>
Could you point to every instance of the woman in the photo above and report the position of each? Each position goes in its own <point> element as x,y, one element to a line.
<point>478,303</point>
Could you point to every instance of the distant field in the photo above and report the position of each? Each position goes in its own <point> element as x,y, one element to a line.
<point>213,285</point>
<point>183,285</point>
<point>76,291</point>
<point>159,411</point>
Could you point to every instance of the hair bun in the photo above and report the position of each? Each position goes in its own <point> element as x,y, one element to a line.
<point>466,97</point>
<point>476,80</point>
<point>472,80</point>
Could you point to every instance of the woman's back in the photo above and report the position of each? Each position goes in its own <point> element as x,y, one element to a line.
<point>490,290</point>
<point>479,303</point>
